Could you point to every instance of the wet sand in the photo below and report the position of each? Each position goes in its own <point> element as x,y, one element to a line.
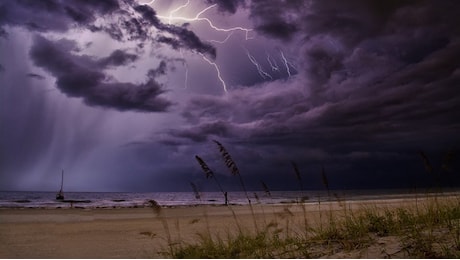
<point>142,233</point>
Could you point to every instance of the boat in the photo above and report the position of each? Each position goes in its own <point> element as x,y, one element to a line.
<point>60,194</point>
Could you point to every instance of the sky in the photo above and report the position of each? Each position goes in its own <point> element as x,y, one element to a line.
<point>122,94</point>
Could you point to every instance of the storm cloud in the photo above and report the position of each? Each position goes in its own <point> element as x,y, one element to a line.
<point>126,21</point>
<point>229,6</point>
<point>356,87</point>
<point>376,83</point>
<point>53,15</point>
<point>83,76</point>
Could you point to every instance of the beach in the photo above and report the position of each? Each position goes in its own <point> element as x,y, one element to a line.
<point>144,232</point>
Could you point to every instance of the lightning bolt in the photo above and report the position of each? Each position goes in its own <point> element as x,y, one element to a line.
<point>149,3</point>
<point>197,18</point>
<point>262,73</point>
<point>272,63</point>
<point>170,17</point>
<point>217,70</point>
<point>224,40</point>
<point>287,64</point>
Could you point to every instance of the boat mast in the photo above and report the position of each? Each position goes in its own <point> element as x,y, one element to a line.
<point>62,180</point>
<point>60,195</point>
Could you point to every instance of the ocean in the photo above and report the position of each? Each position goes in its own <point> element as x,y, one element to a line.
<point>21,199</point>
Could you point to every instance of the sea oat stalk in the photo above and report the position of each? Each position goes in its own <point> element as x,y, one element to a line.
<point>231,165</point>
<point>209,173</point>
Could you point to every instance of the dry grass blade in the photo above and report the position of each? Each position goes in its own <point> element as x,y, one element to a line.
<point>155,206</point>
<point>266,189</point>
<point>427,163</point>
<point>196,191</point>
<point>227,159</point>
<point>325,181</point>
<point>257,197</point>
<point>296,170</point>
<point>297,174</point>
<point>209,173</point>
<point>234,171</point>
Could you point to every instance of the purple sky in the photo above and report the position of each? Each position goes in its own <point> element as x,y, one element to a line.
<point>122,94</point>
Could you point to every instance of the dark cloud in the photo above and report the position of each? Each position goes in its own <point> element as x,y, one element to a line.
<point>134,28</point>
<point>331,31</point>
<point>190,40</point>
<point>174,43</point>
<point>159,71</point>
<point>118,58</point>
<point>229,6</point>
<point>184,38</point>
<point>120,24</point>
<point>376,82</point>
<point>401,112</point>
<point>3,33</point>
<point>278,19</point>
<point>202,132</point>
<point>53,15</point>
<point>83,76</point>
<point>149,14</point>
<point>35,76</point>
<point>278,29</point>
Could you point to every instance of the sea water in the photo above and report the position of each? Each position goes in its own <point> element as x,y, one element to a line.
<point>21,199</point>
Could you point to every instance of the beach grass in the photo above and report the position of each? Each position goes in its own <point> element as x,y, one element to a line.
<point>424,228</point>
<point>430,230</point>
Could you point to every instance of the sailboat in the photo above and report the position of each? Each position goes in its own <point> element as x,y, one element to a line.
<point>60,194</point>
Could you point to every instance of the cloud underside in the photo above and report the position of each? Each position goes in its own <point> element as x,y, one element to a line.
<point>371,75</point>
<point>83,76</point>
<point>367,71</point>
<point>121,20</point>
<point>86,77</point>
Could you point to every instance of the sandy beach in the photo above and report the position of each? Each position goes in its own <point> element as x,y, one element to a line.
<point>142,233</point>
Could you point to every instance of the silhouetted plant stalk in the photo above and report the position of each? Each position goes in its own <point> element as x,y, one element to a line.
<point>268,193</point>
<point>210,175</point>
<point>326,185</point>
<point>155,206</point>
<point>430,169</point>
<point>231,165</point>
<point>325,181</point>
<point>297,174</point>
<point>196,191</point>
<point>266,189</point>
<point>299,180</point>
<point>426,162</point>
<point>257,197</point>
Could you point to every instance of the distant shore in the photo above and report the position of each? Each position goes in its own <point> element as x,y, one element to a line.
<point>141,233</point>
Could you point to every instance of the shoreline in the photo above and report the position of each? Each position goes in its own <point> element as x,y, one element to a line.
<point>334,197</point>
<point>141,232</point>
